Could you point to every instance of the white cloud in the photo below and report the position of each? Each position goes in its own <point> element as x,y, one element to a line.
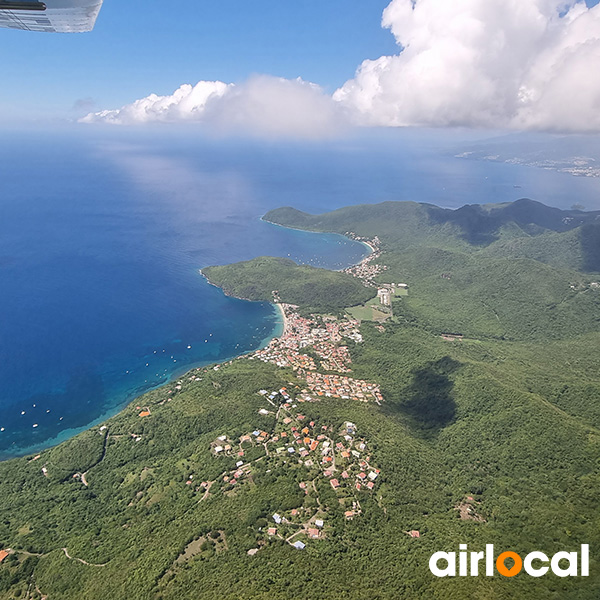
<point>186,103</point>
<point>263,105</point>
<point>488,63</point>
<point>273,107</point>
<point>525,64</point>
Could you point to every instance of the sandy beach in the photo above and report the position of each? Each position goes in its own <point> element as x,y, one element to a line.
<point>281,309</point>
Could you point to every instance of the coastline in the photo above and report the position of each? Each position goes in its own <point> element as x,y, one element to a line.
<point>284,319</point>
<point>279,331</point>
<point>369,246</point>
<point>67,434</point>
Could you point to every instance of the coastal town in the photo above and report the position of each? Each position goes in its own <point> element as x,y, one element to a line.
<point>312,347</point>
<point>316,346</point>
<point>331,462</point>
<point>317,349</point>
<point>366,269</point>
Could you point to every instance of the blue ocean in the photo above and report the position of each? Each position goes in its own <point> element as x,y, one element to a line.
<point>103,234</point>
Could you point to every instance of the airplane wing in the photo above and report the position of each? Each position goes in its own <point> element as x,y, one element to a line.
<point>60,16</point>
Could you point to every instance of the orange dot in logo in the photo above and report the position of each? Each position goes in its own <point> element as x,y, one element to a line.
<point>502,568</point>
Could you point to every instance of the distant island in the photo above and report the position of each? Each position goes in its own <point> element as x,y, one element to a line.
<point>577,155</point>
<point>579,166</point>
<point>442,391</point>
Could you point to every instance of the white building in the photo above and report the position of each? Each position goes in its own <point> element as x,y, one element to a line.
<point>384,296</point>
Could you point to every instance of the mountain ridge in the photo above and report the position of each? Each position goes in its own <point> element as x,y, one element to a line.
<point>470,228</point>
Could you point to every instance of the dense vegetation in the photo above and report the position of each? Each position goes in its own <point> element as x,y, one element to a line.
<point>471,228</point>
<point>526,277</point>
<point>509,416</point>
<point>303,285</point>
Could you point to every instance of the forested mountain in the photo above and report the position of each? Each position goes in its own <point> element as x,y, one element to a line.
<point>488,432</point>
<point>469,228</point>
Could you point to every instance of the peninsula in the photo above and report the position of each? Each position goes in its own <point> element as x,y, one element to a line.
<point>443,391</point>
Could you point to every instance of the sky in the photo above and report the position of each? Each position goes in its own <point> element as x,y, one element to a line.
<point>141,47</point>
<point>314,68</point>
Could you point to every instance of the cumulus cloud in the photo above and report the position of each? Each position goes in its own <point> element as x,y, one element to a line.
<point>491,63</point>
<point>263,105</point>
<point>186,103</point>
<point>523,64</point>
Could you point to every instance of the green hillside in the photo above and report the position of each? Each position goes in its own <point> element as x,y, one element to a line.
<point>530,464</point>
<point>492,438</point>
<point>527,282</point>
<point>521,229</point>
<point>319,289</point>
<point>503,298</point>
<point>398,224</point>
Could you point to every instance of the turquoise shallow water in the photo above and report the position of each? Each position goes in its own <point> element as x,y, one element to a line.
<point>102,236</point>
<point>101,297</point>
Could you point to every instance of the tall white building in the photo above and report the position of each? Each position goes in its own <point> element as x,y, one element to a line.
<point>54,16</point>
<point>384,296</point>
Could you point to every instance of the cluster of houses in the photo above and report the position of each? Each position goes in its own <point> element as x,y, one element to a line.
<point>333,358</point>
<point>290,529</point>
<point>275,354</point>
<point>314,331</point>
<point>346,388</point>
<point>365,270</point>
<point>333,455</point>
<point>322,334</point>
<point>222,445</point>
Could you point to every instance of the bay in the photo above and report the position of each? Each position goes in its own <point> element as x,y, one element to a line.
<point>103,233</point>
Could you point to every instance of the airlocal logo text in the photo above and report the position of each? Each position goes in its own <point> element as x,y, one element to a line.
<point>535,564</point>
